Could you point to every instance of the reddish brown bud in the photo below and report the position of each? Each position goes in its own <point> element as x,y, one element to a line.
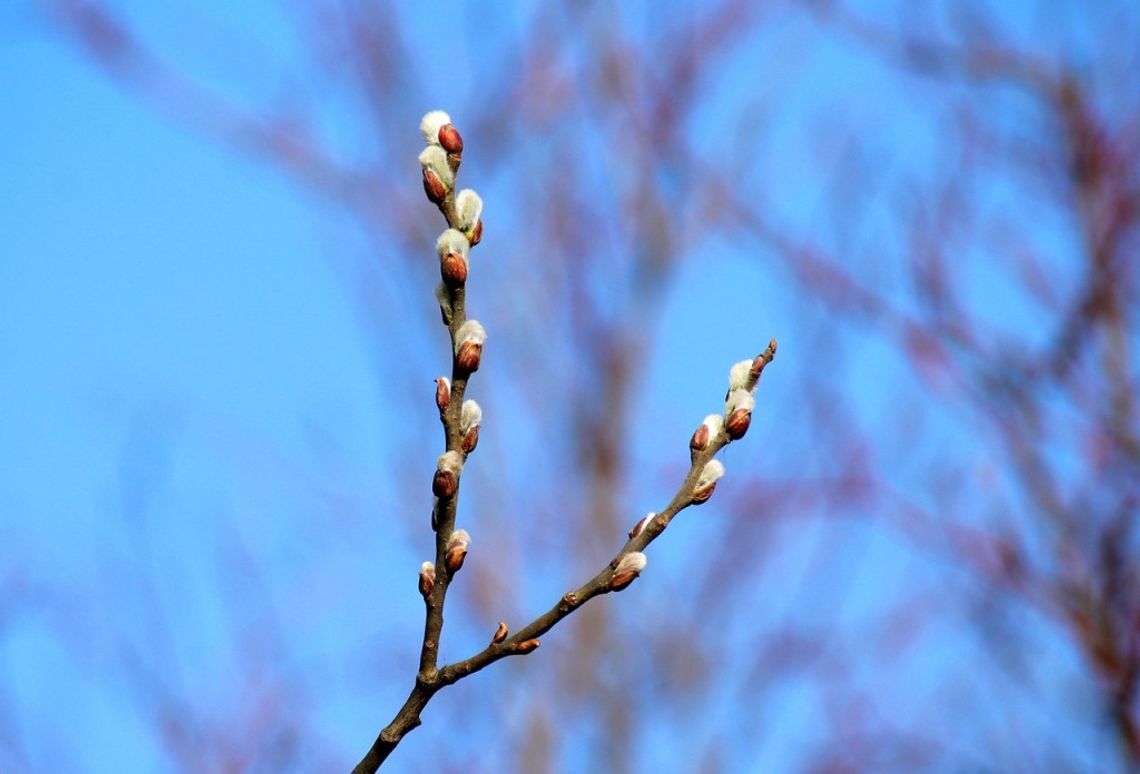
<point>700,439</point>
<point>702,494</point>
<point>434,188</point>
<point>453,269</point>
<point>641,525</point>
<point>455,557</point>
<point>442,393</point>
<point>444,484</point>
<point>470,441</point>
<point>469,355</point>
<point>628,568</point>
<point>446,480</point>
<point>526,646</point>
<point>476,235</point>
<point>456,550</point>
<point>737,424</point>
<point>450,139</point>
<point>427,579</point>
<point>500,633</point>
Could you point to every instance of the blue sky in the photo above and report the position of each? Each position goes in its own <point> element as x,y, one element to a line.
<point>209,372</point>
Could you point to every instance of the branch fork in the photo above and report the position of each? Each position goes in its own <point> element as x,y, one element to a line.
<point>462,419</point>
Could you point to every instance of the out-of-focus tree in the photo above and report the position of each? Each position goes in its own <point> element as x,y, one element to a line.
<point>941,204</point>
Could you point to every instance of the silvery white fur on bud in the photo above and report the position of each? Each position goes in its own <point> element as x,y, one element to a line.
<point>452,241</point>
<point>711,473</point>
<point>470,331</point>
<point>469,346</point>
<point>706,433</point>
<point>469,208</point>
<point>738,413</point>
<point>634,561</point>
<point>434,158</point>
<point>739,399</point>
<point>427,579</point>
<point>714,422</point>
<point>641,525</point>
<point>430,124</point>
<point>628,568</point>
<point>706,483</point>
<point>457,549</point>
<point>470,415</point>
<point>452,247</point>
<point>447,470</point>
<point>443,295</point>
<point>739,375</point>
<point>459,539</point>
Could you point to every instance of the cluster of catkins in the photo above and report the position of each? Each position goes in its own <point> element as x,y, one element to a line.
<point>738,404</point>
<point>440,161</point>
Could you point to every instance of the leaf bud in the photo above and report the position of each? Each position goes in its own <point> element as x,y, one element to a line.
<point>457,550</point>
<point>442,393</point>
<point>706,483</point>
<point>427,579</point>
<point>469,346</point>
<point>447,470</point>
<point>738,413</point>
<point>628,568</point>
<point>449,137</point>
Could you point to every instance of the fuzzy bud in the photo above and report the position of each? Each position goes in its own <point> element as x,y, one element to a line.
<point>708,430</point>
<point>427,579</point>
<point>740,375</point>
<point>738,413</point>
<point>470,418</point>
<point>469,346</point>
<point>641,525</point>
<point>438,176</point>
<point>453,270</point>
<point>468,209</point>
<point>628,568</point>
<point>500,633</point>
<point>450,138</point>
<point>430,125</point>
<point>706,483</point>
<point>442,393</point>
<point>434,188</point>
<point>526,646</point>
<point>447,470</point>
<point>457,549</point>
<point>452,247</point>
<point>443,295</point>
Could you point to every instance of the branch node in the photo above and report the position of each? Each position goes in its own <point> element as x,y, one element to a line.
<point>526,646</point>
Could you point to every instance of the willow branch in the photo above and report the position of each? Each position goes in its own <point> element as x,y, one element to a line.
<point>440,161</point>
